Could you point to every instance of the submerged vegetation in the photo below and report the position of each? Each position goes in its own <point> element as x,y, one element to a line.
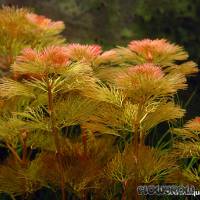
<point>74,119</point>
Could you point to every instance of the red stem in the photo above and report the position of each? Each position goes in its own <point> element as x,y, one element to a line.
<point>12,150</point>
<point>136,142</point>
<point>84,141</point>
<point>24,147</point>
<point>124,191</point>
<point>56,139</point>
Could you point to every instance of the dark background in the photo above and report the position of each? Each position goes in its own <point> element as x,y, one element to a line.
<point>116,22</point>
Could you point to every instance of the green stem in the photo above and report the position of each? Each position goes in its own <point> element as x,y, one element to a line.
<point>12,197</point>
<point>191,163</point>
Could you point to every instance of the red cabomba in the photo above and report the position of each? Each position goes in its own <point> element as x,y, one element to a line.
<point>149,70</point>
<point>51,58</point>
<point>193,124</point>
<point>44,22</point>
<point>77,52</point>
<point>86,113</point>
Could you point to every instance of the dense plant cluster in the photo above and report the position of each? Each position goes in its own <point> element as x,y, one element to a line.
<point>74,118</point>
<point>21,28</point>
<point>117,21</point>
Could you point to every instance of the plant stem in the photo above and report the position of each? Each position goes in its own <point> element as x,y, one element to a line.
<point>56,138</point>
<point>136,145</point>
<point>24,147</point>
<point>84,197</point>
<point>12,150</point>
<point>84,141</point>
<point>136,141</point>
<point>12,197</point>
<point>124,191</point>
<point>24,153</point>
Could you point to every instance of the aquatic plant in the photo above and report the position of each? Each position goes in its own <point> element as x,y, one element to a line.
<point>74,118</point>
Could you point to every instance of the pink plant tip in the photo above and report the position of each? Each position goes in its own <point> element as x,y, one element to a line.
<point>148,70</point>
<point>148,48</point>
<point>44,22</point>
<point>194,124</point>
<point>83,52</point>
